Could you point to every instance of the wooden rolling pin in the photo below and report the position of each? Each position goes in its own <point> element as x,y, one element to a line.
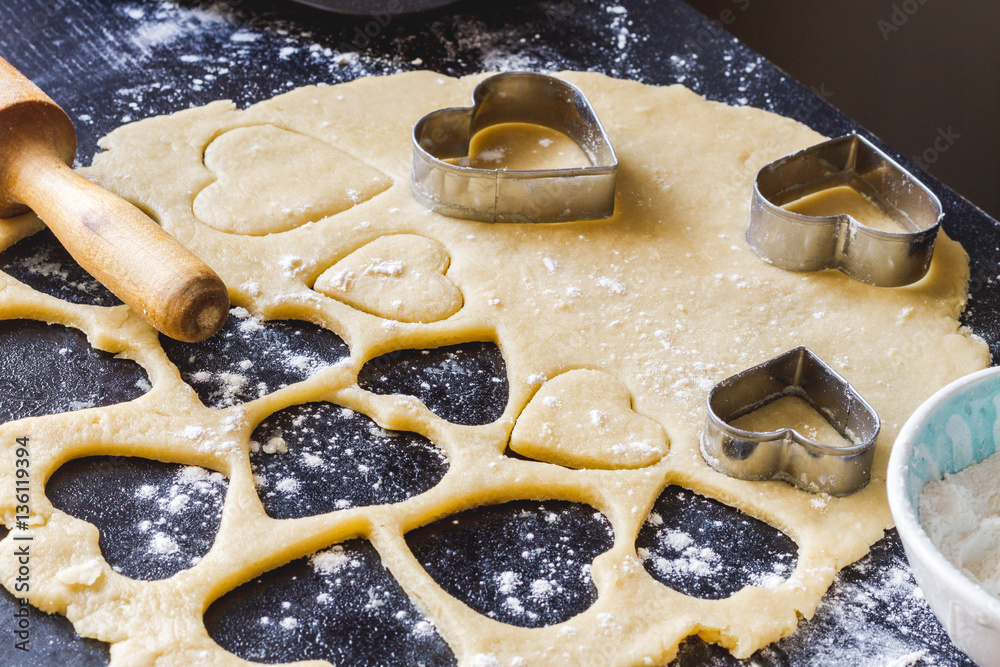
<point>110,238</point>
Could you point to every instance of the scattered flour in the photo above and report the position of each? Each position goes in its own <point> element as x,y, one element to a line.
<point>612,285</point>
<point>389,268</point>
<point>288,485</point>
<point>332,561</point>
<point>542,588</point>
<point>508,581</point>
<point>163,544</point>
<point>423,628</point>
<point>485,660</point>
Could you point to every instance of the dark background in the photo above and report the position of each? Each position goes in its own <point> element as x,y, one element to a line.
<point>113,61</point>
<point>908,70</point>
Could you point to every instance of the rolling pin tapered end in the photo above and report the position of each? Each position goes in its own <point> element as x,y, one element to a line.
<point>198,311</point>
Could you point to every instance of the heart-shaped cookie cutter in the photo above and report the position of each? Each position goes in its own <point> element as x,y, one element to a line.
<point>786,454</point>
<point>514,195</point>
<point>809,243</point>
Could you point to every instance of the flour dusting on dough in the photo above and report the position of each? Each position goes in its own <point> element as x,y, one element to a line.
<point>664,298</point>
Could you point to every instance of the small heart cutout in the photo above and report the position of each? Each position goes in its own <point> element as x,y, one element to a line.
<point>273,180</point>
<point>584,419</point>
<point>400,277</point>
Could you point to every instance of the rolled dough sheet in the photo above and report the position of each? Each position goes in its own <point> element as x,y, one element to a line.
<point>664,299</point>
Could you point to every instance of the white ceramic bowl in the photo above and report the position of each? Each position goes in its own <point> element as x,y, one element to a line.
<point>930,444</point>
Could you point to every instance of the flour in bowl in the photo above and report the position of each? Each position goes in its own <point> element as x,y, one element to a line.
<point>961,514</point>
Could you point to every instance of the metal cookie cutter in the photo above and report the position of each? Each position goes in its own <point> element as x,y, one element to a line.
<point>807,243</point>
<point>515,195</point>
<point>786,454</point>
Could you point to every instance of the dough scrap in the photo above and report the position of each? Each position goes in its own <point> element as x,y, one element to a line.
<point>584,419</point>
<point>399,277</point>
<point>665,296</point>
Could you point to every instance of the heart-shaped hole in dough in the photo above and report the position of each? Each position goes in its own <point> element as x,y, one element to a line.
<point>315,458</point>
<point>156,519</point>
<point>340,604</point>
<point>464,383</point>
<point>249,358</point>
<point>524,562</point>
<point>710,550</point>
<point>51,368</point>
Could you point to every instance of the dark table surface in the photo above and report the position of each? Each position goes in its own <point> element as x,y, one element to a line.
<point>107,63</point>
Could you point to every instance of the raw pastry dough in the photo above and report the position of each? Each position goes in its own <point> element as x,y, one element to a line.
<point>665,297</point>
<point>523,146</point>
<point>795,413</point>
<point>399,277</point>
<point>273,180</point>
<point>845,199</point>
<point>584,419</point>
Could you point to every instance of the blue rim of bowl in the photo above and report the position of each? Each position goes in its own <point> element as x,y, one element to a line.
<point>902,509</point>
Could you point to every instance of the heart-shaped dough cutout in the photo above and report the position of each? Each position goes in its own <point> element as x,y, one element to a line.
<point>584,419</point>
<point>399,277</point>
<point>283,179</point>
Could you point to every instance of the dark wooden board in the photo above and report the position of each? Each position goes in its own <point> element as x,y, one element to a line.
<point>108,62</point>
